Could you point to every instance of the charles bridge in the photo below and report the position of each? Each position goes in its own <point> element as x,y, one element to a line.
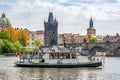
<point>110,48</point>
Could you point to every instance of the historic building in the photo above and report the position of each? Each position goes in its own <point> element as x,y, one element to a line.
<point>91,31</point>
<point>4,22</point>
<point>70,37</point>
<point>39,35</point>
<point>50,31</point>
<point>100,38</point>
<point>112,38</point>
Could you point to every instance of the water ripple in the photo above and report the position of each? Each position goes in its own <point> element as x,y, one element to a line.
<point>8,71</point>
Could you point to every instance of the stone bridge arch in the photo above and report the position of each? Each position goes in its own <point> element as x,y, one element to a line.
<point>92,50</point>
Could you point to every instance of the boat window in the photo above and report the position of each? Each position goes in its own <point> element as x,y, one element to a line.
<point>67,55</point>
<point>51,56</point>
<point>73,56</point>
<point>56,55</point>
<point>61,55</point>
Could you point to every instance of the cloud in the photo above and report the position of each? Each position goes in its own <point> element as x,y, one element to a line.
<point>62,1</point>
<point>72,18</point>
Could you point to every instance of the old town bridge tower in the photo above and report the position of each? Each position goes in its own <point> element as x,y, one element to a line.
<point>50,31</point>
<point>91,31</point>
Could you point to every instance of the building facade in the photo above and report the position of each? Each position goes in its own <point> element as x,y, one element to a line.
<point>70,37</point>
<point>112,38</point>
<point>100,38</point>
<point>50,31</point>
<point>4,22</point>
<point>39,35</point>
<point>91,31</point>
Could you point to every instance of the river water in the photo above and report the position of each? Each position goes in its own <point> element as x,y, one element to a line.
<point>110,71</point>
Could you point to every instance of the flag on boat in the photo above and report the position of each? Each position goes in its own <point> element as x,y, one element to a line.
<point>16,54</point>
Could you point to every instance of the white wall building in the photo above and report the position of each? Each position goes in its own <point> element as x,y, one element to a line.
<point>39,34</point>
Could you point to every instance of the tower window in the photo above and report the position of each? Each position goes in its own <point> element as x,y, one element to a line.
<point>32,34</point>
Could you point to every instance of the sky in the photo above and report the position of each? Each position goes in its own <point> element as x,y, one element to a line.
<point>73,15</point>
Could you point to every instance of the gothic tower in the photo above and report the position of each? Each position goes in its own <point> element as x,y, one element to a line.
<point>51,31</point>
<point>91,31</point>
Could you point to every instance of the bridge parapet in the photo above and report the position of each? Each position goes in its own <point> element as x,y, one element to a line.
<point>111,48</point>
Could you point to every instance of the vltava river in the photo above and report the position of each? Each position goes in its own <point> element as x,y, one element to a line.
<point>110,71</point>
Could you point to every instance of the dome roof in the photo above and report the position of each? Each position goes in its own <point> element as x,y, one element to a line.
<point>4,20</point>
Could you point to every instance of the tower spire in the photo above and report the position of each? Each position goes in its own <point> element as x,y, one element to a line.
<point>91,23</point>
<point>50,17</point>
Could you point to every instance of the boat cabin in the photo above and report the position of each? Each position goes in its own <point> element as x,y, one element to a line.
<point>59,55</point>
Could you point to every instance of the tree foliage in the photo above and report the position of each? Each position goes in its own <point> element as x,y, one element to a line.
<point>8,47</point>
<point>88,38</point>
<point>12,40</point>
<point>12,34</point>
<point>17,35</point>
<point>93,39</point>
<point>3,34</point>
<point>23,37</point>
<point>1,45</point>
<point>38,43</point>
<point>18,46</point>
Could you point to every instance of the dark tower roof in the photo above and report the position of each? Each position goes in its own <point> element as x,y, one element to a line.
<point>50,17</point>
<point>91,23</point>
<point>3,15</point>
<point>117,35</point>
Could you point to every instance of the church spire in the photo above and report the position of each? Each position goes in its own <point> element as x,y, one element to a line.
<point>50,17</point>
<point>91,23</point>
<point>91,31</point>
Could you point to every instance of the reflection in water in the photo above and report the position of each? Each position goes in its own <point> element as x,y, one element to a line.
<point>110,71</point>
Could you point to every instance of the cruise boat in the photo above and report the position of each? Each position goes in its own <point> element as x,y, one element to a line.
<point>57,57</point>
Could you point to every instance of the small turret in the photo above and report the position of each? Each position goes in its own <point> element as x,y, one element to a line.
<point>3,15</point>
<point>117,35</point>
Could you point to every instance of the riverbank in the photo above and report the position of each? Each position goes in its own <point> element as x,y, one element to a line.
<point>1,56</point>
<point>7,55</point>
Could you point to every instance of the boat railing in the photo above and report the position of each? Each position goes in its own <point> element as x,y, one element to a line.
<point>96,59</point>
<point>30,58</point>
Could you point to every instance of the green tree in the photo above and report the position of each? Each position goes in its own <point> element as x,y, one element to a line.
<point>18,46</point>
<point>3,35</point>
<point>12,40</point>
<point>38,43</point>
<point>1,45</point>
<point>7,47</point>
<point>93,39</point>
